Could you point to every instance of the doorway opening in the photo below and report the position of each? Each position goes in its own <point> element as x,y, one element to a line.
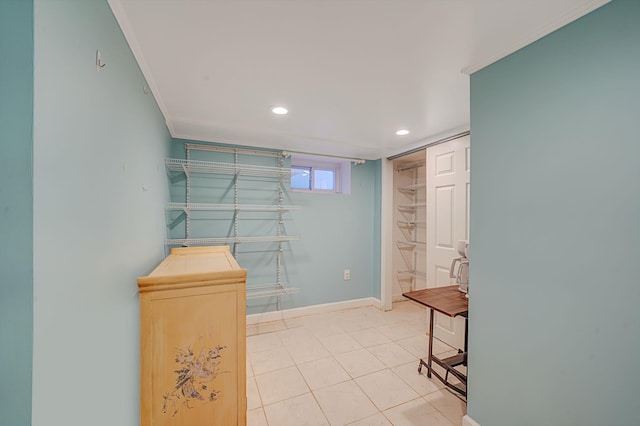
<point>428,195</point>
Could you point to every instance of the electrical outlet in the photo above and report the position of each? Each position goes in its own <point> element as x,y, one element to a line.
<point>347,274</point>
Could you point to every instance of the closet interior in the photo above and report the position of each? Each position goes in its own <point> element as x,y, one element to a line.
<point>409,224</point>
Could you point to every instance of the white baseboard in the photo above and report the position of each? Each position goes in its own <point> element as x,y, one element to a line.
<point>468,421</point>
<point>312,310</point>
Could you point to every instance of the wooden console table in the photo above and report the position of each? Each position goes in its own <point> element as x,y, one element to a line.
<point>451,302</point>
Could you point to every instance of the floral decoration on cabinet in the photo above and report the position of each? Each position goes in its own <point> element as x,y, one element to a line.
<point>195,375</point>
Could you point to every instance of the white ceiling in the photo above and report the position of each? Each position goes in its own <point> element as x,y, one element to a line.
<point>351,72</point>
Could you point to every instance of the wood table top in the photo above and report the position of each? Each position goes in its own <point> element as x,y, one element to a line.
<point>447,300</point>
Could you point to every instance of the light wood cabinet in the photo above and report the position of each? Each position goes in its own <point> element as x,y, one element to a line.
<point>193,340</point>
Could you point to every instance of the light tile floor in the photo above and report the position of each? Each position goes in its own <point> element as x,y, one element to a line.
<point>353,367</point>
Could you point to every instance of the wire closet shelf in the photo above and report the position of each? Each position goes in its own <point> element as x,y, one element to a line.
<point>211,167</point>
<point>237,170</point>
<point>231,207</point>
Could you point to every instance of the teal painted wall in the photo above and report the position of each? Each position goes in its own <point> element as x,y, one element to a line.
<point>336,232</point>
<point>555,227</point>
<point>16,210</point>
<point>100,189</point>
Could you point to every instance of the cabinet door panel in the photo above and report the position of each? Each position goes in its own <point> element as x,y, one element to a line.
<point>194,358</point>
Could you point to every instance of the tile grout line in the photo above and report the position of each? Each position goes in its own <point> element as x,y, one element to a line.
<point>404,321</point>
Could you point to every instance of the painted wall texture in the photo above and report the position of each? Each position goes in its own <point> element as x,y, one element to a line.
<point>16,210</point>
<point>99,192</point>
<point>554,312</point>
<point>338,232</point>
<point>335,232</point>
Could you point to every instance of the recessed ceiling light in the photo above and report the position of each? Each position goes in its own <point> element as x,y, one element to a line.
<point>279,110</point>
<point>402,132</point>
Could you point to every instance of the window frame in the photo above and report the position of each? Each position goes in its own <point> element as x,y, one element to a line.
<point>305,168</point>
<point>340,168</point>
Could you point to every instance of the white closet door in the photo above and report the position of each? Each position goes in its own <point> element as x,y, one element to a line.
<point>448,172</point>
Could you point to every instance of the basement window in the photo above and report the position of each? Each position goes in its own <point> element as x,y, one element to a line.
<point>313,174</point>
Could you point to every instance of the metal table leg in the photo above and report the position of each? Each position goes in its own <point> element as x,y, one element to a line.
<point>430,354</point>
<point>447,364</point>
